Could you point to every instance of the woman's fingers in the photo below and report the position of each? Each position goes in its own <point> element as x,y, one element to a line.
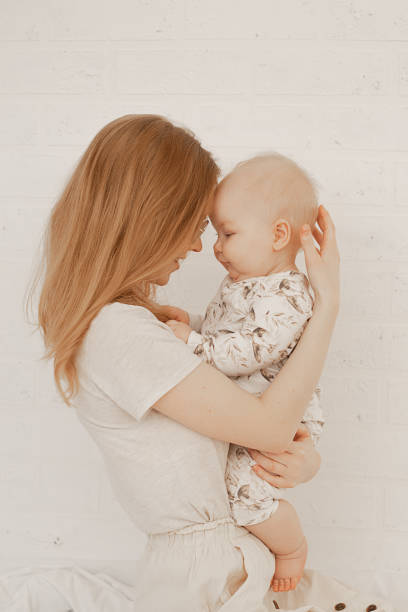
<point>309,249</point>
<point>324,233</point>
<point>322,259</point>
<point>318,235</point>
<point>270,465</point>
<point>327,225</point>
<point>276,481</point>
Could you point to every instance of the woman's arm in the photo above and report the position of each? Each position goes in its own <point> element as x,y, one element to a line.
<point>210,403</point>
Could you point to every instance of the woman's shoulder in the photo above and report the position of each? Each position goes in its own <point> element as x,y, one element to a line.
<point>117,323</point>
<point>132,357</point>
<point>117,312</point>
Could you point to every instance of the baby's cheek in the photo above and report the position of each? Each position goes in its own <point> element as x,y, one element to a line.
<point>233,253</point>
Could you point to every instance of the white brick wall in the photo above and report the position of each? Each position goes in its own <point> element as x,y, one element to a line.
<point>324,82</point>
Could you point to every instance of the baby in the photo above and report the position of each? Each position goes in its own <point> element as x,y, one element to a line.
<point>252,325</point>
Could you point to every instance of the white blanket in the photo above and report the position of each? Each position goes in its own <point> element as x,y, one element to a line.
<point>73,589</point>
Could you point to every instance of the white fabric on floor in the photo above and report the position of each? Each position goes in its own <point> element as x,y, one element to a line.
<point>73,589</point>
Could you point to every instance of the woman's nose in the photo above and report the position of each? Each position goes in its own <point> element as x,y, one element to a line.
<point>197,245</point>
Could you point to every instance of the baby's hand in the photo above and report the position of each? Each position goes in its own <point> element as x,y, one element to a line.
<point>178,314</point>
<point>179,329</point>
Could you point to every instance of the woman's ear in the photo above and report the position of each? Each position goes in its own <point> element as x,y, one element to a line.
<point>281,233</point>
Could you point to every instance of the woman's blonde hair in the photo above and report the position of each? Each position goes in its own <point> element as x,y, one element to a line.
<point>139,193</point>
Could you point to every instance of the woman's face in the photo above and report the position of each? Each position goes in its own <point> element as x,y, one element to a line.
<point>196,246</point>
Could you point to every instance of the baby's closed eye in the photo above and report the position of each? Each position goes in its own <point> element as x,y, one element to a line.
<point>226,234</point>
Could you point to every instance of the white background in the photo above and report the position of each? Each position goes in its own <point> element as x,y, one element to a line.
<point>323,82</point>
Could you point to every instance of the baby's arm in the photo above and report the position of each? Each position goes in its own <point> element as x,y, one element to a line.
<point>269,334</point>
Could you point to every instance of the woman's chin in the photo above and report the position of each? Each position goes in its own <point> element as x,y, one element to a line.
<point>163,279</point>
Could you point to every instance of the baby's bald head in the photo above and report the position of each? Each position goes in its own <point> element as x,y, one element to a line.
<point>276,187</point>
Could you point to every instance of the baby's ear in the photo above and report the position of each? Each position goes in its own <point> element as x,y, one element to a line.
<point>282,233</point>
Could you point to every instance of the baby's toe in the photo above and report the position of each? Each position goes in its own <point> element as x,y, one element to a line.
<point>293,582</point>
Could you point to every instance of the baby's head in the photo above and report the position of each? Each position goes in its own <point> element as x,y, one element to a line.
<point>258,211</point>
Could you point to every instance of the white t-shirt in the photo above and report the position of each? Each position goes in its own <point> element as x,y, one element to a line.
<point>165,475</point>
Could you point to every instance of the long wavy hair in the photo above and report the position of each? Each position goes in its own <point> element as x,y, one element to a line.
<point>139,193</point>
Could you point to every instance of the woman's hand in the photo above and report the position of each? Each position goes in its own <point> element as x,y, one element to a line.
<point>180,329</point>
<point>297,464</point>
<point>177,314</point>
<point>323,262</point>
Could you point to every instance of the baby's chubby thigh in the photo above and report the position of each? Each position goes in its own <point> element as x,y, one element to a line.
<point>252,499</point>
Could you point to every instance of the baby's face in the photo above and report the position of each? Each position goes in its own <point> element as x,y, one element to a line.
<point>244,244</point>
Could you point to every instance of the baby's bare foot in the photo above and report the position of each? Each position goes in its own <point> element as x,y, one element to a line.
<point>289,568</point>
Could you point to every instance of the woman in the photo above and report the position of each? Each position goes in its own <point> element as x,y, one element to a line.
<point>161,417</point>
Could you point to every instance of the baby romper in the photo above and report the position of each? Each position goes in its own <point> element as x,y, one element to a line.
<point>248,332</point>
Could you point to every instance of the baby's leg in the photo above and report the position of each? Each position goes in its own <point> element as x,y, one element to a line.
<point>283,535</point>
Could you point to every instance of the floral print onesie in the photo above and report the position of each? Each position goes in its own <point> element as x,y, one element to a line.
<point>248,332</point>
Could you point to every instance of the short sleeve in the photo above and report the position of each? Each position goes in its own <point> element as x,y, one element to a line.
<point>134,358</point>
